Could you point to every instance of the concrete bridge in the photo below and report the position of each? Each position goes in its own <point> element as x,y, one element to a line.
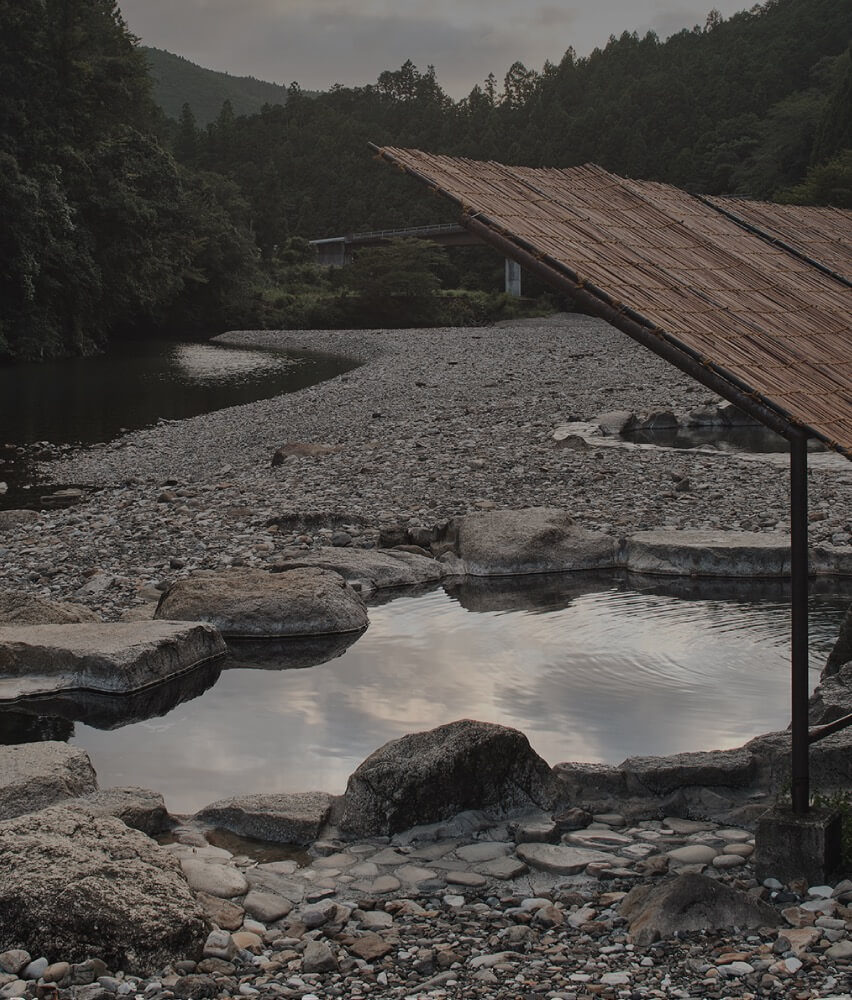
<point>338,251</point>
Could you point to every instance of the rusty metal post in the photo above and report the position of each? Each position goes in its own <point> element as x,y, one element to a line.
<point>799,618</point>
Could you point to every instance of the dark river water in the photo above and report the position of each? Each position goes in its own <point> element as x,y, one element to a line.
<point>88,400</point>
<point>754,439</point>
<point>593,667</point>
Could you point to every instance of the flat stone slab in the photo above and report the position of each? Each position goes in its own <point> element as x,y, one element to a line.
<point>36,775</point>
<point>709,553</point>
<point>483,851</point>
<point>282,818</point>
<point>373,569</point>
<point>471,880</point>
<point>264,880</point>
<point>255,604</point>
<point>113,658</point>
<point>532,540</point>
<point>830,560</point>
<point>266,906</point>
<point>558,859</point>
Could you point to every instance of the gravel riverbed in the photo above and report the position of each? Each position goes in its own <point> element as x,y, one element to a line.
<point>435,423</point>
<point>465,916</point>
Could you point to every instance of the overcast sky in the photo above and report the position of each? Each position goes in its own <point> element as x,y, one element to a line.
<point>322,42</point>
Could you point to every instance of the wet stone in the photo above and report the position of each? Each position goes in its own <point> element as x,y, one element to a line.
<point>485,851</point>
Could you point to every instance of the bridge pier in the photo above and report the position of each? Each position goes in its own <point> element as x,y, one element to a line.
<point>337,251</point>
<point>513,278</point>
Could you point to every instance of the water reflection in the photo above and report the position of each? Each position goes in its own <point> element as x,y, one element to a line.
<point>137,383</point>
<point>537,593</point>
<point>287,654</point>
<point>107,711</point>
<point>23,727</point>
<point>588,674</point>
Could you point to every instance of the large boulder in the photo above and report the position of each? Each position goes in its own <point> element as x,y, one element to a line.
<point>691,903</point>
<point>283,818</point>
<point>736,768</point>
<point>728,785</point>
<point>76,886</point>
<point>138,808</point>
<point>429,776</point>
<point>255,604</point>
<point>832,698</point>
<point>28,609</point>
<point>36,775</point>
<point>518,542</point>
<point>841,652</point>
<point>115,658</point>
<point>372,569</point>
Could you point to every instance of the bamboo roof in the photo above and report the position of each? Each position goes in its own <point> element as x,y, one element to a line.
<point>770,320</point>
<point>822,234</point>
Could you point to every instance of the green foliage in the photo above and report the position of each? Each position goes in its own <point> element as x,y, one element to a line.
<point>397,284</point>
<point>827,184</point>
<point>839,801</point>
<point>739,106</point>
<point>100,230</point>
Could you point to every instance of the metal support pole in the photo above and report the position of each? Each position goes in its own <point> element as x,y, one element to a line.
<point>799,602</point>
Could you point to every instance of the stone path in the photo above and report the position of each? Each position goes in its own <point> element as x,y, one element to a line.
<point>436,423</point>
<point>467,909</point>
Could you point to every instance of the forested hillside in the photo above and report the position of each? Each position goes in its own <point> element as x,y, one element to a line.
<point>115,218</point>
<point>177,81</point>
<point>746,105</point>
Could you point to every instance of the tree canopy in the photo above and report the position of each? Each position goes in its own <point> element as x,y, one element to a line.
<point>115,218</point>
<point>101,229</point>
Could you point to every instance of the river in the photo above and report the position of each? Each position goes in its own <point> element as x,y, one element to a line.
<point>88,400</point>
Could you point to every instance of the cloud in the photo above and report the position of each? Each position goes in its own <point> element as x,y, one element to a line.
<point>326,44</point>
<point>320,42</point>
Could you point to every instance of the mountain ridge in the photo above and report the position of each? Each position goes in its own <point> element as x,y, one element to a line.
<point>178,81</point>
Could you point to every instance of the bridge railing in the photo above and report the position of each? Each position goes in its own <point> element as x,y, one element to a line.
<point>444,227</point>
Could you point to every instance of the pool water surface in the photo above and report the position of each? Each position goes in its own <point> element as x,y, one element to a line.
<point>591,667</point>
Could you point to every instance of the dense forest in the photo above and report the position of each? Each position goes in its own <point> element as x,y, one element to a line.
<point>115,218</point>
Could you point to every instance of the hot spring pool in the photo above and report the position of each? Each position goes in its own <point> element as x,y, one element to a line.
<point>591,667</point>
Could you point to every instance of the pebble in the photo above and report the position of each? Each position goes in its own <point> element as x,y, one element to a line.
<point>693,854</point>
<point>542,934</point>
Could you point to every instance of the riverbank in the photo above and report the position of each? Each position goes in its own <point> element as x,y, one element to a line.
<point>435,423</point>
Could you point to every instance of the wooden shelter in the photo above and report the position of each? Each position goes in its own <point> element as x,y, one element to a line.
<point>752,300</point>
